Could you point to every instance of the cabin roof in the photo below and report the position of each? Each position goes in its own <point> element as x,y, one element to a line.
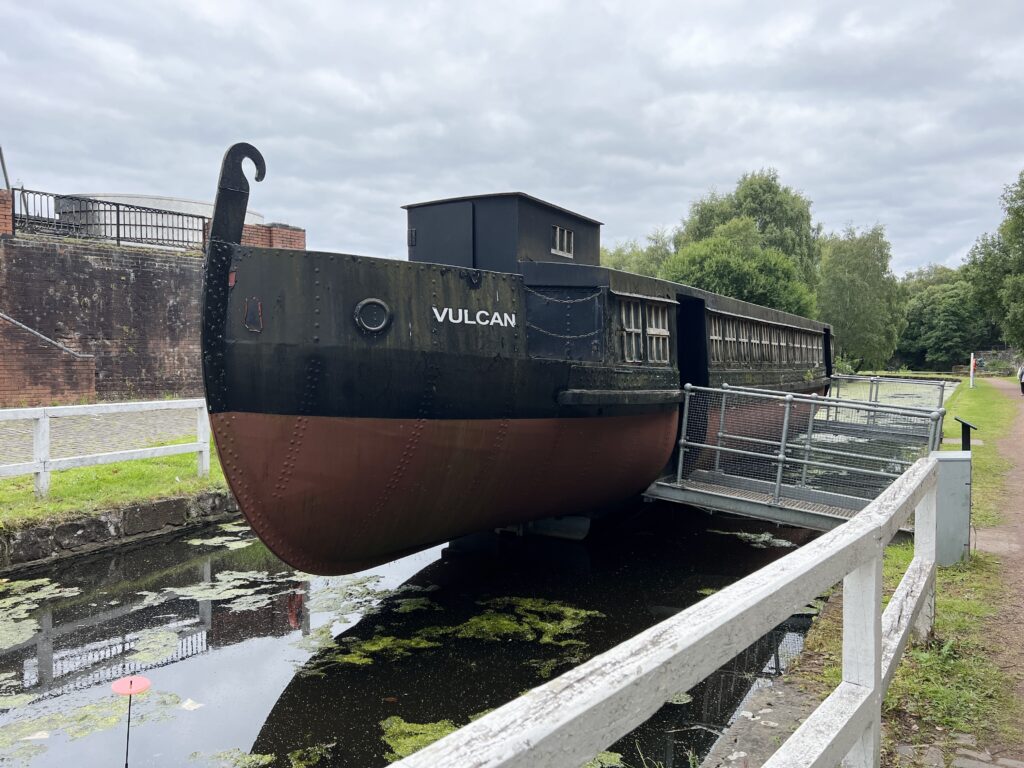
<point>504,194</point>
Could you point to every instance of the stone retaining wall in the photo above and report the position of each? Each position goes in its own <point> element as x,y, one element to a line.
<point>42,544</point>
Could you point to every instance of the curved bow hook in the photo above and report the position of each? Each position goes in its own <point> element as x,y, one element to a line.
<point>233,192</point>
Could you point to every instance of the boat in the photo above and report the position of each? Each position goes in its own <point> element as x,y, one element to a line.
<point>367,408</point>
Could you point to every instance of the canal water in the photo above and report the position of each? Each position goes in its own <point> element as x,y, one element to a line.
<point>254,664</point>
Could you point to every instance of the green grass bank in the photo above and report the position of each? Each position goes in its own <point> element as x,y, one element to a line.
<point>952,684</point>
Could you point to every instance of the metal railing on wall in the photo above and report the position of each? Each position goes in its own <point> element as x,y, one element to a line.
<point>86,217</point>
<point>42,465</point>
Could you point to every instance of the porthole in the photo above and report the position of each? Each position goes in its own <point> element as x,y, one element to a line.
<point>372,315</point>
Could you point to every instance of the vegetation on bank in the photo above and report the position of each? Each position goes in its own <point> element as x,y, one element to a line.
<point>96,488</point>
<point>951,684</point>
<point>993,413</point>
<point>759,243</point>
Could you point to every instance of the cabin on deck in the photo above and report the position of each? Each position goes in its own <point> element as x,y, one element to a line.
<point>498,231</point>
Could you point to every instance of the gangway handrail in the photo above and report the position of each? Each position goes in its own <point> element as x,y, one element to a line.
<point>837,402</point>
<point>937,415</point>
<point>874,381</point>
<point>570,719</point>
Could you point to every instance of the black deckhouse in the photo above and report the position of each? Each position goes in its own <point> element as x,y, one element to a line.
<point>499,231</point>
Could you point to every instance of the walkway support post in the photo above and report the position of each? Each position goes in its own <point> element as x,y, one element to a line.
<point>721,432</point>
<point>782,448</point>
<point>688,390</point>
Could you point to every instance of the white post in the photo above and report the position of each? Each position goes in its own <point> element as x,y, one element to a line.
<point>41,454</point>
<point>973,363</point>
<point>925,548</point>
<point>203,437</point>
<point>862,652</point>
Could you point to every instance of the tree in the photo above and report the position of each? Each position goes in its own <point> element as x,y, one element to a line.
<point>943,327</point>
<point>860,297</point>
<point>781,215</point>
<point>733,261</point>
<point>630,256</point>
<point>995,268</point>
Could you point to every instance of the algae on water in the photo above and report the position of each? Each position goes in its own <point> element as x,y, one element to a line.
<point>87,719</point>
<point>410,604</point>
<point>18,599</point>
<point>234,758</point>
<point>308,757</point>
<point>757,540</point>
<point>153,645</point>
<point>606,760</point>
<point>404,738</point>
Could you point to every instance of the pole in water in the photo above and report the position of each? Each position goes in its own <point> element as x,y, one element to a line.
<point>129,686</point>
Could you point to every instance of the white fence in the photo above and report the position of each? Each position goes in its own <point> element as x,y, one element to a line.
<point>569,720</point>
<point>42,465</point>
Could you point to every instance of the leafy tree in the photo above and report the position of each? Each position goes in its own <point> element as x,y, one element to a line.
<point>781,215</point>
<point>733,261</point>
<point>943,327</point>
<point>995,268</point>
<point>924,277</point>
<point>630,256</point>
<point>860,297</point>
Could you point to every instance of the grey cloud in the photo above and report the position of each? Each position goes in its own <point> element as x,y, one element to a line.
<point>904,114</point>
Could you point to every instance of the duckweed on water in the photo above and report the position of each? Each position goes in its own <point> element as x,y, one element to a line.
<point>404,738</point>
<point>85,720</point>
<point>244,589</point>
<point>410,604</point>
<point>606,760</point>
<point>757,540</point>
<point>230,542</point>
<point>154,645</point>
<point>17,601</point>
<point>234,758</point>
<point>386,646</point>
<point>309,757</point>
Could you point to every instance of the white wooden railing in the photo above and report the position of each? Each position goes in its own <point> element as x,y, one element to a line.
<point>42,465</point>
<point>567,721</point>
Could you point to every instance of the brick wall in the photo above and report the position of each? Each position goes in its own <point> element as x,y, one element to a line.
<point>274,236</point>
<point>135,310</point>
<point>6,212</point>
<point>34,371</point>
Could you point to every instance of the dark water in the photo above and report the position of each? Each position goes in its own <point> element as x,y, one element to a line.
<point>247,656</point>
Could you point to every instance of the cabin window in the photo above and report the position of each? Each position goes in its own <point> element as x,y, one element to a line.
<point>632,332</point>
<point>657,333</point>
<point>562,241</point>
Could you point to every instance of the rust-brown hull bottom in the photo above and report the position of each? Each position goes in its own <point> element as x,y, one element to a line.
<point>335,495</point>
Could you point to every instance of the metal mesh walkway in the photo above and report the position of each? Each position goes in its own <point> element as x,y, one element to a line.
<point>796,459</point>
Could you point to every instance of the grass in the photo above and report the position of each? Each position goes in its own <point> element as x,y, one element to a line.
<point>951,684</point>
<point>993,413</point>
<point>91,489</point>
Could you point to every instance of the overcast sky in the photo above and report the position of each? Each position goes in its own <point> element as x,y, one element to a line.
<point>909,114</point>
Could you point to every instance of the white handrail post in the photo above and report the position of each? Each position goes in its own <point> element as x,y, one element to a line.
<point>203,438</point>
<point>925,549</point>
<point>862,652</point>
<point>41,454</point>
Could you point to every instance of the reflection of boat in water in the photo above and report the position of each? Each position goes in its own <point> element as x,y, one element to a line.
<point>457,641</point>
<point>366,408</point>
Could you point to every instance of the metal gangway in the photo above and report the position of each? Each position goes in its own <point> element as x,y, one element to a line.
<point>795,459</point>
<point>891,390</point>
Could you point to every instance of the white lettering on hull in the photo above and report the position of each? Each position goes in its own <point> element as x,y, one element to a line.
<point>467,317</point>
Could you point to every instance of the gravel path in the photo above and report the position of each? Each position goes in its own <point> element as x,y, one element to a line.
<point>77,435</point>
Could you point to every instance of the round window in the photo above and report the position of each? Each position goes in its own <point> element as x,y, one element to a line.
<point>372,315</point>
